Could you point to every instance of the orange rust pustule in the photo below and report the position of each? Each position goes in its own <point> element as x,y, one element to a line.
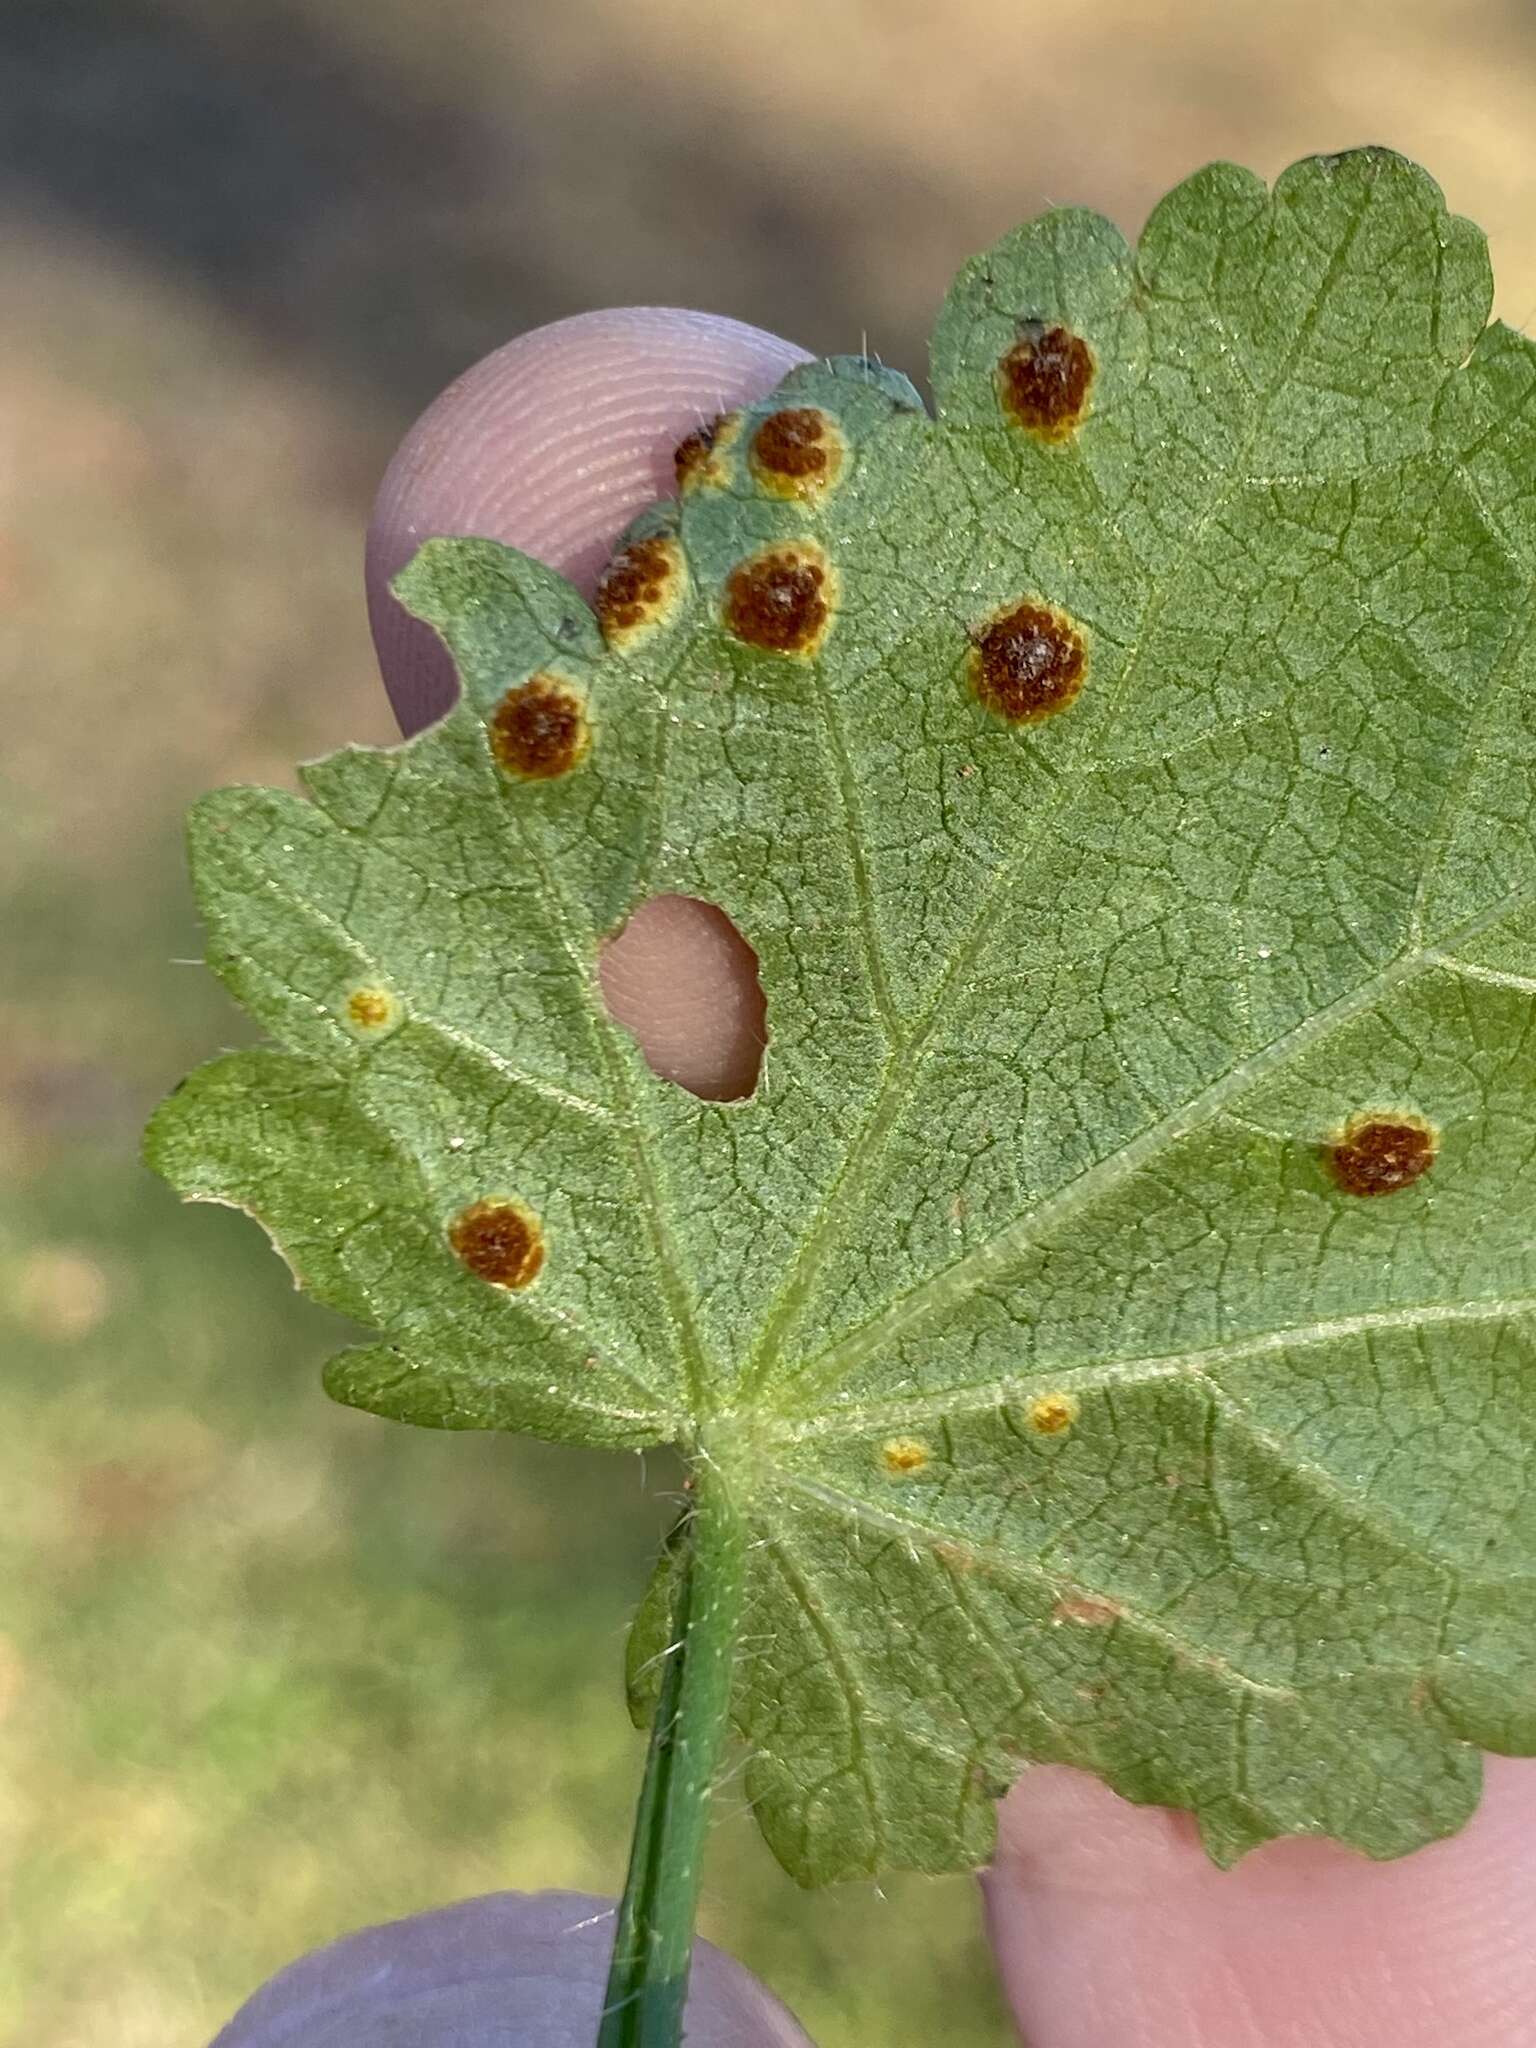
<point>904,1455</point>
<point>370,1008</point>
<point>1044,381</point>
<point>797,452</point>
<point>499,1241</point>
<point>539,729</point>
<point>1028,663</point>
<point>367,1008</point>
<point>638,586</point>
<point>1052,1414</point>
<point>1378,1155</point>
<point>690,458</point>
<point>696,458</point>
<point>779,600</point>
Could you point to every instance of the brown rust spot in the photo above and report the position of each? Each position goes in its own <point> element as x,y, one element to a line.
<point>1044,380</point>
<point>640,588</point>
<point>499,1240</point>
<point>797,453</point>
<point>1027,663</point>
<point>1052,1414</point>
<point>781,599</point>
<point>696,459</point>
<point>691,456</point>
<point>956,1557</point>
<point>539,729</point>
<point>370,1011</point>
<point>902,1456</point>
<point>1087,1609</point>
<point>1377,1153</point>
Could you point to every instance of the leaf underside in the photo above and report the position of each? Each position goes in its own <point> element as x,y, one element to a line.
<point>1088,1398</point>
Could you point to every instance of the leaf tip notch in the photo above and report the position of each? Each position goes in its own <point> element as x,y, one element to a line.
<point>500,614</point>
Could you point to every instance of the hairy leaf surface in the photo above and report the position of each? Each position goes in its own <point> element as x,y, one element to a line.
<point>1115,1307</point>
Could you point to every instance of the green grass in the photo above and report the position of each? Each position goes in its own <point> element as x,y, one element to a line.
<point>269,1669</point>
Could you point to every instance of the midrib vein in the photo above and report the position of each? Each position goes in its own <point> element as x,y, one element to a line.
<point>847,793</point>
<point>865,1153</point>
<point>1203,1361</point>
<point>904,1061</point>
<point>1012,1564</point>
<point>425,1019</point>
<point>948,1288</point>
<point>698,1380</point>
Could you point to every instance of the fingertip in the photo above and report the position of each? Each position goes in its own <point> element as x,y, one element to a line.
<point>551,444</point>
<point>1110,1924</point>
<point>684,982</point>
<point>511,1966</point>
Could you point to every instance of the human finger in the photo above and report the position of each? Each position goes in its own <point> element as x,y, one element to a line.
<point>1113,1930</point>
<point>512,1966</point>
<point>552,444</point>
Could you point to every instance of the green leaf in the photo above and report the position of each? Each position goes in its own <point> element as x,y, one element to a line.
<point>1114,1311</point>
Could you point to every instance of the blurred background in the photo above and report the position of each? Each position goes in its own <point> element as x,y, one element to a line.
<point>270,1670</point>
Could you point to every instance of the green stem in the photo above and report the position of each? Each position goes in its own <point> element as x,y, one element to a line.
<point>653,1945</point>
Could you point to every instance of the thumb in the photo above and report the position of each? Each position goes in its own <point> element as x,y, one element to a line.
<point>1113,1930</point>
<point>493,1972</point>
<point>552,444</point>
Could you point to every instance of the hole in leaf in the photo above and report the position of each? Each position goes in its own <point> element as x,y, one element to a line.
<point>684,983</point>
<point>1377,1154</point>
<point>499,1240</point>
<point>1044,380</point>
